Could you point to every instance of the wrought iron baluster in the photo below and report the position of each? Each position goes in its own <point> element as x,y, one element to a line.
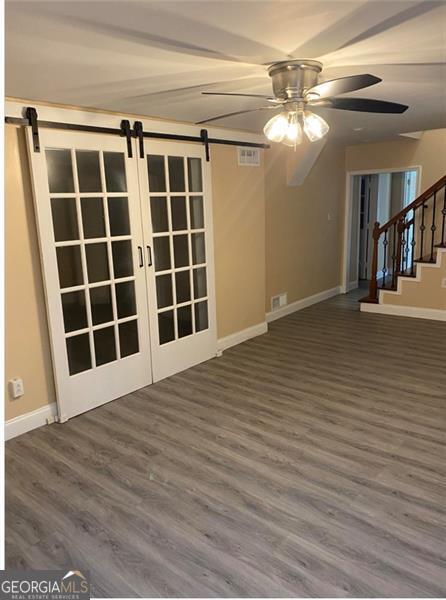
<point>443,226</point>
<point>384,269</point>
<point>422,228</point>
<point>433,228</point>
<point>413,244</point>
<point>394,234</point>
<point>405,246</point>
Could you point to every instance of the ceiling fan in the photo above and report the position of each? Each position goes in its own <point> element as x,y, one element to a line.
<point>295,88</point>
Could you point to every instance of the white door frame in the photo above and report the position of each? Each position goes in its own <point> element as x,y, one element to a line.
<point>348,213</point>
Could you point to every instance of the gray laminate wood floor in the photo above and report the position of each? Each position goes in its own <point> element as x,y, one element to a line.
<point>309,461</point>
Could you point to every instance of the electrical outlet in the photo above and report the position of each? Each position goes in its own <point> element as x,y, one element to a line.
<point>16,387</point>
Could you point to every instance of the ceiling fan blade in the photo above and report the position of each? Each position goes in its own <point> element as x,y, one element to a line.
<point>362,105</point>
<point>343,85</point>
<point>235,94</point>
<point>232,114</point>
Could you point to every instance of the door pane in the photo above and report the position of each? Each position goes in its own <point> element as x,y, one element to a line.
<point>122,258</point>
<point>198,249</point>
<point>97,262</point>
<point>195,178</point>
<point>176,174</point>
<point>64,215</point>
<point>184,318</point>
<point>166,327</point>
<point>200,287</point>
<point>101,304</point>
<point>118,214</point>
<point>158,211</point>
<point>128,338</point>
<point>178,211</point>
<point>161,248</point>
<point>88,172</point>
<point>78,351</point>
<point>125,299</point>
<point>93,220</point>
<point>60,171</point>
<point>69,266</point>
<point>104,345</point>
<point>74,311</point>
<point>164,294</point>
<point>196,212</point>
<point>182,283</point>
<point>181,251</point>
<point>201,316</point>
<point>157,176</point>
<point>114,165</point>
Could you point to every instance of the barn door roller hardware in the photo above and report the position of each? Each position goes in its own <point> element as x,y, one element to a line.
<point>127,132</point>
<point>205,140</point>
<point>31,115</point>
<point>139,133</point>
<point>124,130</point>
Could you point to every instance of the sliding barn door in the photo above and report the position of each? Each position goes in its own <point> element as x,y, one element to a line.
<point>88,213</point>
<point>177,219</point>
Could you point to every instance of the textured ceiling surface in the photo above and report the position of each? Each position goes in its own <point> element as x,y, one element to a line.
<point>155,58</point>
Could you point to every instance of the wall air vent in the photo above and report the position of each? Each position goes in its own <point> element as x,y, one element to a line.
<point>248,157</point>
<point>278,301</point>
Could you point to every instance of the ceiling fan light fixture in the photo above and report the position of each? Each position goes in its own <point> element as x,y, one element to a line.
<point>276,128</point>
<point>293,136</point>
<point>315,127</point>
<point>285,128</point>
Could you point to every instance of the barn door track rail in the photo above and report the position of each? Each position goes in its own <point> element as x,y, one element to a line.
<point>31,119</point>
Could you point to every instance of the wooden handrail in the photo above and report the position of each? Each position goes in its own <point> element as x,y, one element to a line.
<point>415,204</point>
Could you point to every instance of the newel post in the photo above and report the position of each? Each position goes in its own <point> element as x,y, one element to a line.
<point>373,288</point>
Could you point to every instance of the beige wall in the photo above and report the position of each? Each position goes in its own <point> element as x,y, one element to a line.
<point>239,228</point>
<point>27,345</point>
<point>303,247</point>
<point>239,238</point>
<point>429,152</point>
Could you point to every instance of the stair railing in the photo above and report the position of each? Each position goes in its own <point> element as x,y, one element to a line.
<point>407,239</point>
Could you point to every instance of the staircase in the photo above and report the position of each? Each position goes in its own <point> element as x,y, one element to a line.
<point>411,240</point>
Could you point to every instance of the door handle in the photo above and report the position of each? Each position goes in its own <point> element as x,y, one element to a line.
<point>141,256</point>
<point>149,256</point>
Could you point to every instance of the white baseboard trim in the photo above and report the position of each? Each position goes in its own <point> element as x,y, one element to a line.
<point>241,336</point>
<point>29,421</point>
<point>303,303</point>
<point>435,314</point>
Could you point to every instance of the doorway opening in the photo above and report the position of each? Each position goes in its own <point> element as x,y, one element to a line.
<point>375,197</point>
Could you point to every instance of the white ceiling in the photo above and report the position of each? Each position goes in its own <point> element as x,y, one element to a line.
<point>155,58</point>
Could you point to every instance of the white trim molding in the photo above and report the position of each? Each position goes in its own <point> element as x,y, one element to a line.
<point>31,420</point>
<point>435,314</point>
<point>241,336</point>
<point>302,303</point>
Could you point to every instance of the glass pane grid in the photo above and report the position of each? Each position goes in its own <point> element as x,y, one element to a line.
<point>177,210</point>
<point>92,328</point>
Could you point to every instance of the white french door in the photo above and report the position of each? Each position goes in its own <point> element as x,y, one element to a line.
<point>88,213</point>
<point>127,256</point>
<point>177,220</point>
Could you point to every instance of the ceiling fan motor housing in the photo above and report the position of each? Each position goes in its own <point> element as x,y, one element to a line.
<point>292,78</point>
